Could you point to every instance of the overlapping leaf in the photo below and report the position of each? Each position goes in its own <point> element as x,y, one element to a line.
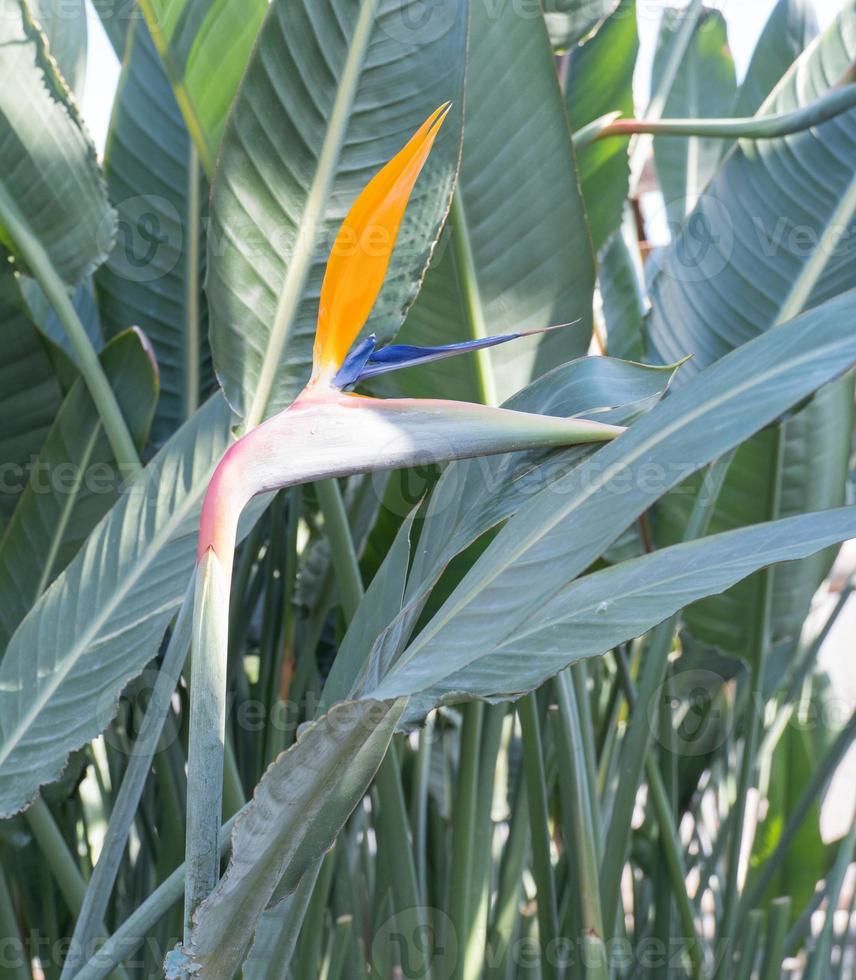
<point>515,254</point>
<point>205,46</point>
<point>153,277</point>
<point>102,620</point>
<point>50,183</point>
<point>333,92</point>
<point>74,481</point>
<point>571,521</point>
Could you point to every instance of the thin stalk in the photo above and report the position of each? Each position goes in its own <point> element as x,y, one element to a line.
<point>464,823</point>
<point>660,96</point>
<point>777,931</point>
<point>491,742</point>
<point>93,374</point>
<point>760,642</point>
<point>134,930</point>
<point>472,297</point>
<point>510,883</point>
<point>388,779</point>
<point>15,956</point>
<point>580,831</point>
<point>638,733</point>
<point>828,106</point>
<point>207,736</point>
<point>542,866</point>
<point>338,532</point>
<point>819,965</point>
<point>192,335</point>
<point>749,952</point>
<point>127,800</point>
<point>419,805</point>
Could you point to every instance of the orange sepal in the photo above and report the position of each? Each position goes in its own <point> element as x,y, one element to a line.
<point>363,246</point>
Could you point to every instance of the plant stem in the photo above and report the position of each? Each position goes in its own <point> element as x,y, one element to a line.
<point>192,339</point>
<point>758,651</point>
<point>207,736</point>
<point>127,800</point>
<point>134,930</point>
<point>777,931</point>
<point>638,735</point>
<point>464,824</point>
<point>828,106</point>
<point>15,955</point>
<point>388,779</point>
<point>580,831</point>
<point>542,866</point>
<point>54,289</point>
<point>657,103</point>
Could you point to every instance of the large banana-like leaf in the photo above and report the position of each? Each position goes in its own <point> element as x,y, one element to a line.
<point>298,808</point>
<point>773,206</point>
<point>596,613</point>
<point>600,81</point>
<point>332,92</point>
<point>104,616</point>
<point>789,30</point>
<point>51,187</point>
<point>765,221</point>
<point>474,497</point>
<point>31,392</point>
<point>64,24</point>
<point>204,47</point>
<point>74,481</point>
<point>814,466</point>
<point>117,17</point>
<point>516,251</point>
<point>705,85</point>
<point>570,522</point>
<point>154,275</point>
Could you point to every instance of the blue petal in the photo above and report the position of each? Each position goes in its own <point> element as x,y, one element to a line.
<point>366,360</point>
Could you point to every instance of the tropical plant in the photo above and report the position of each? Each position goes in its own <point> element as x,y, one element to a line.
<point>356,623</point>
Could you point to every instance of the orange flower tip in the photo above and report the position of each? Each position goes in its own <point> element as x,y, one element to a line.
<point>360,255</point>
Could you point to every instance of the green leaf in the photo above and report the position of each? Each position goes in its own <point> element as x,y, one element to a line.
<point>205,45</point>
<point>789,30</point>
<point>572,520</point>
<point>704,86</point>
<point>298,808</point>
<point>474,497</point>
<point>516,252</point>
<point>600,81</point>
<point>103,618</point>
<point>64,24</point>
<point>154,274</point>
<point>74,481</point>
<point>772,212</point>
<point>31,392</point>
<point>816,455</point>
<point>773,206</point>
<point>599,611</point>
<point>791,767</point>
<point>325,103</point>
<point>50,181</point>
<point>570,20</point>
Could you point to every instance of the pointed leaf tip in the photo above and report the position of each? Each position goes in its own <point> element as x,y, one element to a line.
<point>363,247</point>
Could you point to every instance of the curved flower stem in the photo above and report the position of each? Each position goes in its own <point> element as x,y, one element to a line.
<point>829,105</point>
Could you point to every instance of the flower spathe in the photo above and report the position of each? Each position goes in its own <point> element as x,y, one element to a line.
<point>328,432</point>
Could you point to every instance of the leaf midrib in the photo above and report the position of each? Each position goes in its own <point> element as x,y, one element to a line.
<point>140,565</point>
<point>659,436</point>
<point>296,275</point>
